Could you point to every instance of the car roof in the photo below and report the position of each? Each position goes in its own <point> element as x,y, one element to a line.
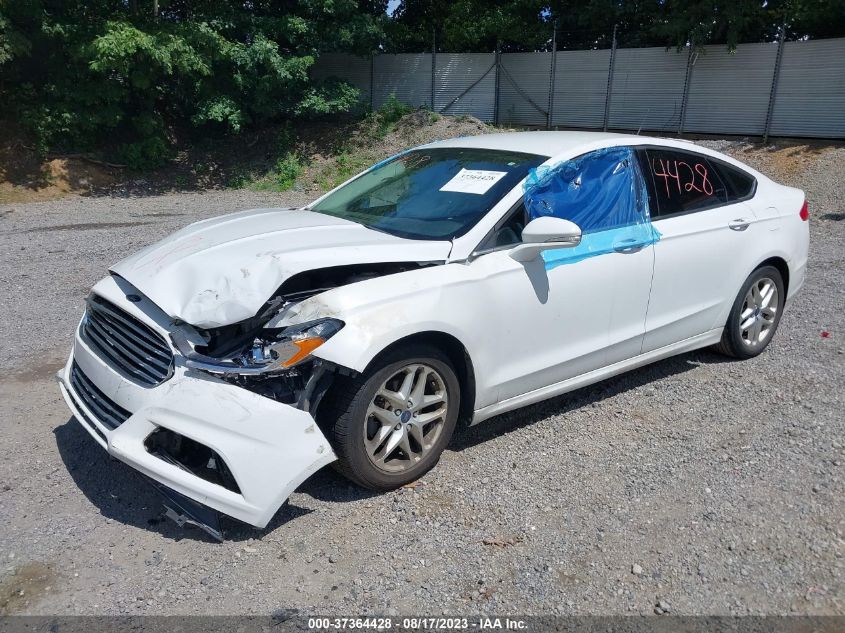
<point>555,144</point>
<point>540,143</point>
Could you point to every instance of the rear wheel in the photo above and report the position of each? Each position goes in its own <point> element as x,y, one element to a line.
<point>390,425</point>
<point>755,315</point>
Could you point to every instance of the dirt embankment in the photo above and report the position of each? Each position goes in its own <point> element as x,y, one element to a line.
<point>24,177</point>
<point>326,153</point>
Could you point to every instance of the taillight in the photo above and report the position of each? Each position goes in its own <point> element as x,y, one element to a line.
<point>805,212</point>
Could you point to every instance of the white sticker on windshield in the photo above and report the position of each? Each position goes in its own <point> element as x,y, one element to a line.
<point>476,181</point>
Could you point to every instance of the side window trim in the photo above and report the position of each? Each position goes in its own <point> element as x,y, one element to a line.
<point>653,202</point>
<point>506,217</point>
<point>751,191</point>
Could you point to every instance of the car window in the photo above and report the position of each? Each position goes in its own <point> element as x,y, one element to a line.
<point>508,232</point>
<point>437,193</point>
<point>681,182</point>
<point>740,185</point>
<point>598,191</point>
<point>603,192</point>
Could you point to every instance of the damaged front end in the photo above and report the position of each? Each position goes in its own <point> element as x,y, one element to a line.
<point>231,432</point>
<point>270,356</point>
<point>221,419</point>
<point>274,362</point>
<point>197,362</point>
<point>266,355</point>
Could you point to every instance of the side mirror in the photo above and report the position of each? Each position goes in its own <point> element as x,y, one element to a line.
<point>545,233</point>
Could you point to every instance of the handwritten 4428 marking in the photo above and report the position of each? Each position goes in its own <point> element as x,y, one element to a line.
<point>685,178</point>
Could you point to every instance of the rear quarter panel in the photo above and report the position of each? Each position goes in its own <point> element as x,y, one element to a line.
<point>794,234</point>
<point>781,234</point>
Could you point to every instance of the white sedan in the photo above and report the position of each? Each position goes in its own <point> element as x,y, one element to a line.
<point>455,281</point>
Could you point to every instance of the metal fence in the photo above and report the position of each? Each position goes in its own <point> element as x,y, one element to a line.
<point>778,88</point>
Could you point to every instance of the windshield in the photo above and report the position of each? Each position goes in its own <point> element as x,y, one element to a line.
<point>431,194</point>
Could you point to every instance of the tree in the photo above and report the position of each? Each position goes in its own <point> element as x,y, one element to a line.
<point>81,74</point>
<point>468,25</point>
<point>476,25</point>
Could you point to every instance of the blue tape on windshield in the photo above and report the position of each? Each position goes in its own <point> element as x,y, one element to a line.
<point>388,159</point>
<point>603,193</point>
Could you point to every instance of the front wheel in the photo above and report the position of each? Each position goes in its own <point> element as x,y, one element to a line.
<point>755,314</point>
<point>390,425</point>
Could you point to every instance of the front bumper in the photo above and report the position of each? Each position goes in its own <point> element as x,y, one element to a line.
<point>269,447</point>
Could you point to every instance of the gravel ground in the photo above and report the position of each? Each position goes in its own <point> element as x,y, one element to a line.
<point>712,487</point>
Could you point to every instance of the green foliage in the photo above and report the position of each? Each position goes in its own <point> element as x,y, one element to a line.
<point>386,117</point>
<point>526,25</point>
<point>288,169</point>
<point>283,177</point>
<point>284,172</point>
<point>331,97</point>
<point>392,110</point>
<point>347,165</point>
<point>221,110</point>
<point>108,75</point>
<point>285,139</point>
<point>12,42</point>
<point>145,154</point>
<point>238,180</point>
<point>144,58</point>
<point>680,22</point>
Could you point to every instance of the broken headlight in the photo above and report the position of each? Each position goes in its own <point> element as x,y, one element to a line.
<point>273,349</point>
<point>276,349</point>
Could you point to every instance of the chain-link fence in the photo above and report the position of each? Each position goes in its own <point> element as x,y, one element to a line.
<point>778,88</point>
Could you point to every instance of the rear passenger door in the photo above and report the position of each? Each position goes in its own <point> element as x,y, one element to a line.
<point>707,230</point>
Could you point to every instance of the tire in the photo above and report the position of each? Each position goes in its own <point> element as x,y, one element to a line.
<point>364,416</point>
<point>756,306</point>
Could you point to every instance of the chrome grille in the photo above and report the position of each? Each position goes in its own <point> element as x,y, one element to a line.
<point>108,413</point>
<point>131,347</point>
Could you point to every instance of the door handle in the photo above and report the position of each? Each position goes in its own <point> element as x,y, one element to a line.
<point>740,224</point>
<point>628,246</point>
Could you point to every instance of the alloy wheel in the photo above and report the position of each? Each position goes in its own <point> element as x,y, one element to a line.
<point>759,312</point>
<point>405,418</point>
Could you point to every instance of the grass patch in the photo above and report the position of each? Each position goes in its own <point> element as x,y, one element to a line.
<point>342,167</point>
<point>322,157</point>
<point>386,117</point>
<point>283,176</point>
<point>239,179</point>
<point>290,169</point>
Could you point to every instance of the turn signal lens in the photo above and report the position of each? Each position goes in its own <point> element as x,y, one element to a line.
<point>281,350</point>
<point>805,212</point>
<point>305,347</point>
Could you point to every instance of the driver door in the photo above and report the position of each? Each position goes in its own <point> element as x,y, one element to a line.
<point>556,322</point>
<point>560,323</point>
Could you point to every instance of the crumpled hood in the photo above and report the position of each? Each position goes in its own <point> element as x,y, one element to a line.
<point>221,271</point>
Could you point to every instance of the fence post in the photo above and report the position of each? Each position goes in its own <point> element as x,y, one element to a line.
<point>372,81</point>
<point>687,76</point>
<point>497,59</point>
<point>773,92</point>
<point>610,79</point>
<point>553,71</point>
<point>433,63</point>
